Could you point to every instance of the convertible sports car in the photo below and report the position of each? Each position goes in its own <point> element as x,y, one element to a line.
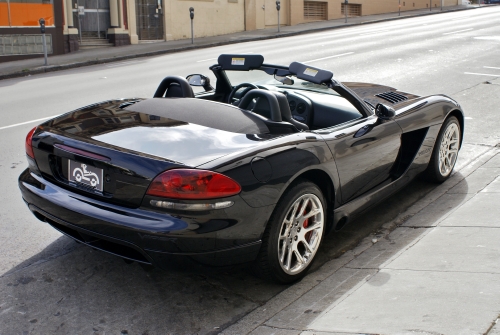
<point>243,172</point>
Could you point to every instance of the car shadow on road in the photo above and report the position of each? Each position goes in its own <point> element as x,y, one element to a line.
<point>70,288</point>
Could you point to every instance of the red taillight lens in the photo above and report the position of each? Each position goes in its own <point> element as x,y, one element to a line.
<point>193,184</point>
<point>27,144</point>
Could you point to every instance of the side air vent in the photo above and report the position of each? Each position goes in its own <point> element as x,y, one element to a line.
<point>392,97</point>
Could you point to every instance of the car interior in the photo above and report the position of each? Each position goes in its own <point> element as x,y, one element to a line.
<point>309,106</point>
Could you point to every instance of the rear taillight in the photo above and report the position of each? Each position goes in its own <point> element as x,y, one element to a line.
<point>28,145</point>
<point>193,184</point>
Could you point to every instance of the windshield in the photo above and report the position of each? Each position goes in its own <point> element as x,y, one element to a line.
<point>259,77</point>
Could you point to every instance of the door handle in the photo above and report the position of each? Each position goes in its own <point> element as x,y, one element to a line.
<point>363,131</point>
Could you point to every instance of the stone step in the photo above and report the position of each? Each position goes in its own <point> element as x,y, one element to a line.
<point>104,42</point>
<point>93,38</point>
<point>87,47</point>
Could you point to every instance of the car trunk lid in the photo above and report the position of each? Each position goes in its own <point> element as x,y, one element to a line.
<point>112,153</point>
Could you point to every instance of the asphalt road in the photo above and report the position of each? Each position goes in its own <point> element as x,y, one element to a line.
<point>49,284</point>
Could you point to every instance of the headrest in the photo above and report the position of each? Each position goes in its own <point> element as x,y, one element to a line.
<point>240,62</point>
<point>309,73</point>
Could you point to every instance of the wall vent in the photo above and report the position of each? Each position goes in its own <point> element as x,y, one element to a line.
<point>315,11</point>
<point>352,9</point>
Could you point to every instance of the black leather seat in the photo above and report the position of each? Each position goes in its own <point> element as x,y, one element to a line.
<point>286,113</point>
<point>272,105</point>
<point>174,87</point>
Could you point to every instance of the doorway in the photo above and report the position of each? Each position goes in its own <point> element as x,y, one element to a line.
<point>149,20</point>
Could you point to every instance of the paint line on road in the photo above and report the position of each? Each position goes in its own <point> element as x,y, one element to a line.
<point>491,67</point>
<point>314,60</point>
<point>28,122</point>
<point>458,31</point>
<point>468,118</point>
<point>374,32</point>
<point>483,74</point>
<point>205,60</point>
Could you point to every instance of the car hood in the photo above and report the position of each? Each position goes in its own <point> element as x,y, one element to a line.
<point>117,124</point>
<point>375,94</point>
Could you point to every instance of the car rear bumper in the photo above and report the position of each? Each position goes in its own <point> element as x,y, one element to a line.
<point>221,237</point>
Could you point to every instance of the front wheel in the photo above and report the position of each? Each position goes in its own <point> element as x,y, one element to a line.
<point>293,235</point>
<point>445,152</point>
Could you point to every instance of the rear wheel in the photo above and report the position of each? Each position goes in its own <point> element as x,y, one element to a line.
<point>293,235</point>
<point>445,152</point>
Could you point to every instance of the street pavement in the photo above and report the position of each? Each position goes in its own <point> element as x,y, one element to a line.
<point>425,261</point>
<point>105,55</point>
<point>436,272</point>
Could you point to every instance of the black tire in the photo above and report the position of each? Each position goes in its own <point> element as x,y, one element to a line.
<point>435,172</point>
<point>297,233</point>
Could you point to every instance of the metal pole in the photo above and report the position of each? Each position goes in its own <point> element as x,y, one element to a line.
<point>191,16</point>
<point>98,28</point>
<point>80,27</point>
<point>279,21</point>
<point>192,32</point>
<point>430,5</point>
<point>345,11</point>
<point>399,8</point>
<point>45,48</point>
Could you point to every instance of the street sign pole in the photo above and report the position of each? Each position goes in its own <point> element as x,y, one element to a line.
<point>81,12</point>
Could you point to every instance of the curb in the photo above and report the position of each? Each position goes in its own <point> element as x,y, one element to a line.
<point>53,68</point>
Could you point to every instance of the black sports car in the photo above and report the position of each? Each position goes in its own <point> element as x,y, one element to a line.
<point>243,172</point>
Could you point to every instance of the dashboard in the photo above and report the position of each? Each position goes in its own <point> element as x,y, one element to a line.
<point>319,110</point>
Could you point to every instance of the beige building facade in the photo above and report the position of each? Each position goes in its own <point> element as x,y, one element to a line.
<point>140,21</point>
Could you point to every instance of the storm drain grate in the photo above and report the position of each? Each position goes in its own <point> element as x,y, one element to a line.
<point>392,97</point>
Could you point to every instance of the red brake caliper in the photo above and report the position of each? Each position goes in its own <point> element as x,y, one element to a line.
<point>305,225</point>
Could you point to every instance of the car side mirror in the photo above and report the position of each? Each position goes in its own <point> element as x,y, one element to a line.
<point>384,112</point>
<point>199,80</point>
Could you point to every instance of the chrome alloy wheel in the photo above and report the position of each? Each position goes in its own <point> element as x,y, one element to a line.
<point>300,234</point>
<point>448,149</point>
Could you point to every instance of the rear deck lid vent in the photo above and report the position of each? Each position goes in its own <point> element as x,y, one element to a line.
<point>392,97</point>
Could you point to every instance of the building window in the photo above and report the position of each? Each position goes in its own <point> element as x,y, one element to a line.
<point>315,11</point>
<point>26,13</point>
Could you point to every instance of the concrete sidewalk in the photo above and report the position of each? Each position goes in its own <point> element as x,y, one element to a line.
<point>105,55</point>
<point>437,272</point>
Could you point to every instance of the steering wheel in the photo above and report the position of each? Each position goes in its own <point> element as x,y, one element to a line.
<point>235,89</point>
